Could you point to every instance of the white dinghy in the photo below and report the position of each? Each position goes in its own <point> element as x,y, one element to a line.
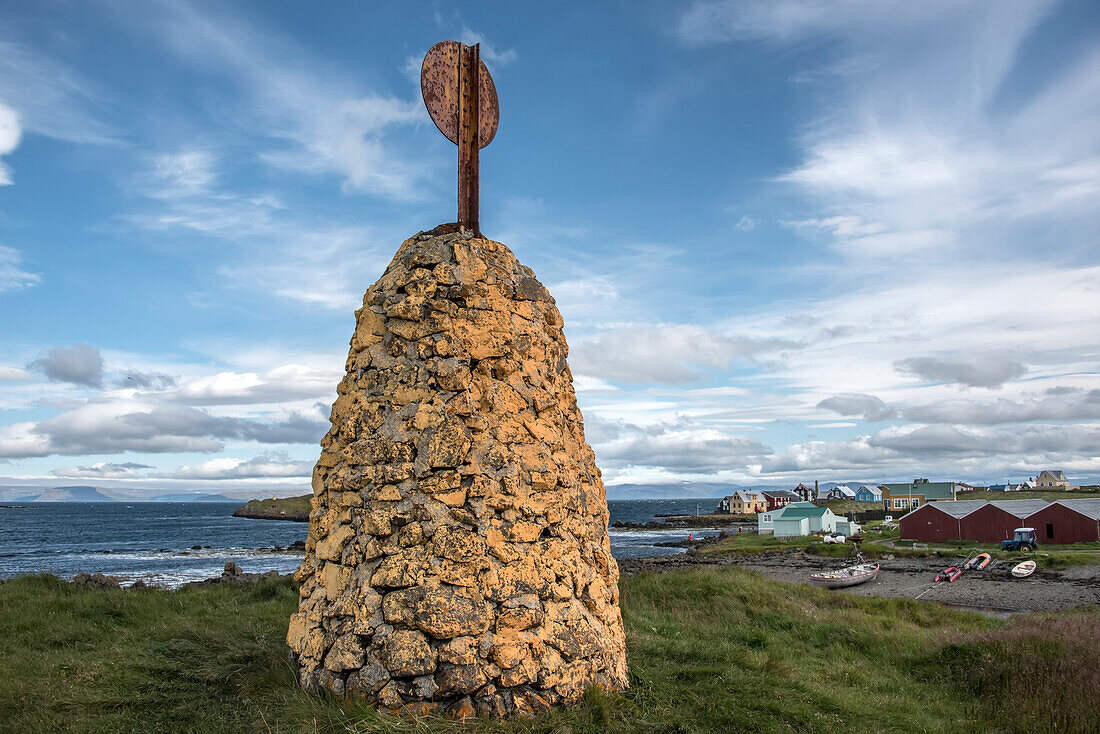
<point>847,576</point>
<point>1023,570</point>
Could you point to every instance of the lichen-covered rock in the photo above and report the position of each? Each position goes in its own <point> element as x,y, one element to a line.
<point>458,549</point>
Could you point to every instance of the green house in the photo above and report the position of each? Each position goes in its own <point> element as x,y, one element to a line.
<point>798,518</point>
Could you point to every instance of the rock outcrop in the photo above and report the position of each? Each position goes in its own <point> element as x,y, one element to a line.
<point>458,556</point>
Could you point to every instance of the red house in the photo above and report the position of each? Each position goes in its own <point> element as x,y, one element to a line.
<point>777,498</point>
<point>1067,521</point>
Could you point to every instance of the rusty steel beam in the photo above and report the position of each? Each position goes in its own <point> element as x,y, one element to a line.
<point>461,98</point>
<point>468,84</point>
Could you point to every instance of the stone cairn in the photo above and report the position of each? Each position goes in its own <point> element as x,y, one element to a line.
<point>458,558</point>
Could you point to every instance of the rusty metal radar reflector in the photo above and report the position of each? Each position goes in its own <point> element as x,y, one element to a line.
<point>462,101</point>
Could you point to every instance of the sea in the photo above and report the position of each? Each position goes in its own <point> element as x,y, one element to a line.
<point>172,543</point>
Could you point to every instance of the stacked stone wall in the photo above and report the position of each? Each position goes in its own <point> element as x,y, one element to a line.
<point>458,555</point>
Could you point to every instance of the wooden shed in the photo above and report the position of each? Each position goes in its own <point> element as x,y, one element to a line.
<point>1067,521</point>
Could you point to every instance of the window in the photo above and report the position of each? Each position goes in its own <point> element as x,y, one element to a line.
<point>1050,531</point>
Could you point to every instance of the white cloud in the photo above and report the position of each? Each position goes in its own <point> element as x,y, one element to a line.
<point>683,446</point>
<point>990,370</point>
<point>708,22</point>
<point>667,354</point>
<point>183,173</point>
<point>14,374</point>
<point>1071,404</point>
<point>489,53</point>
<point>12,276</point>
<point>747,223</point>
<point>103,470</point>
<point>277,251</point>
<point>868,407</point>
<point>51,98</point>
<point>282,384</point>
<point>268,464</point>
<point>117,424</point>
<point>10,132</point>
<point>325,124</point>
<point>79,364</point>
<point>947,451</point>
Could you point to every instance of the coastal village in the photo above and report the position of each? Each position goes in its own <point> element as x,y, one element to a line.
<point>926,511</point>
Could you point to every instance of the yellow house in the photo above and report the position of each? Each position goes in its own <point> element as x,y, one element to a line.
<point>1053,479</point>
<point>744,502</point>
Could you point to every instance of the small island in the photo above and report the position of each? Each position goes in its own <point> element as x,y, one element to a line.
<point>295,509</point>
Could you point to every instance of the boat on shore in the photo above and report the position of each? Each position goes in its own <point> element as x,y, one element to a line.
<point>1025,569</point>
<point>978,562</point>
<point>949,574</point>
<point>860,573</point>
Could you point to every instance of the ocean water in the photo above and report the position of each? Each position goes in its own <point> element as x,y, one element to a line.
<point>155,541</point>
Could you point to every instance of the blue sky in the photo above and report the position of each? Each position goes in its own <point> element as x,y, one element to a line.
<point>791,240</point>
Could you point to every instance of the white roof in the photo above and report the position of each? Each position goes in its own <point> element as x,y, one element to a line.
<point>1020,508</point>
<point>1087,506</point>
<point>958,508</point>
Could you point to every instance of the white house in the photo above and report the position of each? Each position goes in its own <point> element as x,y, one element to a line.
<point>841,492</point>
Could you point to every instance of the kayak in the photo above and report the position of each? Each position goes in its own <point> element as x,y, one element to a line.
<point>1023,570</point>
<point>949,574</point>
<point>847,576</point>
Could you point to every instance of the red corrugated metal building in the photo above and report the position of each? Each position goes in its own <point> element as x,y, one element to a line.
<point>995,521</point>
<point>1067,521</point>
<point>1057,523</point>
<point>937,521</point>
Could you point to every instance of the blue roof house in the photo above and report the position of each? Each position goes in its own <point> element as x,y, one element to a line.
<point>869,493</point>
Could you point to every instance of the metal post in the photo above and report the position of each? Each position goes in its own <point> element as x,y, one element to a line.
<point>468,107</point>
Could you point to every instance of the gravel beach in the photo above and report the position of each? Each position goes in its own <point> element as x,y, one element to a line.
<point>993,589</point>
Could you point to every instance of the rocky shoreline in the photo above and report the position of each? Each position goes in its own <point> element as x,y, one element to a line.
<point>274,510</point>
<point>688,522</point>
<point>994,590</point>
<point>233,574</point>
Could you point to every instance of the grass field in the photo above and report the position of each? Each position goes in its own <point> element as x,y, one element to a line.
<point>711,650</point>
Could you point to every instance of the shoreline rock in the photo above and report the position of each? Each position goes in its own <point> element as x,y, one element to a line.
<point>274,509</point>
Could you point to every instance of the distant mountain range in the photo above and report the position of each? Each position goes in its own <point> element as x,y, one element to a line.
<point>673,490</point>
<point>93,494</point>
<point>67,494</point>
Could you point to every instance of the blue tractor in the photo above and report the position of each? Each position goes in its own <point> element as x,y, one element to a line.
<point>1023,539</point>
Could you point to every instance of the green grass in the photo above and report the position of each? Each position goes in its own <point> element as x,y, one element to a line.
<point>1039,494</point>
<point>297,506</point>
<point>711,650</point>
<point>749,543</point>
<point>847,507</point>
